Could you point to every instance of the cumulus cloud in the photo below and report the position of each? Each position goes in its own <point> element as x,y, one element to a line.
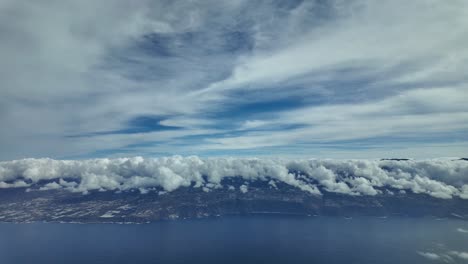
<point>460,254</point>
<point>50,186</point>
<point>430,255</point>
<point>15,184</point>
<point>447,257</point>
<point>243,188</point>
<point>442,179</point>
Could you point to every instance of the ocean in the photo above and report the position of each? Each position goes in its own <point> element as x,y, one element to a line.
<point>240,239</point>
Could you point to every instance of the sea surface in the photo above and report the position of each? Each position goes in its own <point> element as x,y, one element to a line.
<point>242,239</point>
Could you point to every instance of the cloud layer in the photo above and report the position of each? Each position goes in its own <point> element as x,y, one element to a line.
<point>329,78</point>
<point>443,179</point>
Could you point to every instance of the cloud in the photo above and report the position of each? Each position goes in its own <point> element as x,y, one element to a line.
<point>243,188</point>
<point>15,184</point>
<point>349,39</point>
<point>460,254</point>
<point>50,186</point>
<point>430,255</point>
<point>442,179</point>
<point>445,257</point>
<point>461,230</point>
<point>414,113</point>
<point>233,76</point>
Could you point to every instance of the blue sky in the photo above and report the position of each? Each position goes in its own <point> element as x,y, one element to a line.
<point>323,79</point>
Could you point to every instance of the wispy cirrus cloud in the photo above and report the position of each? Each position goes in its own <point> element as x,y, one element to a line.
<point>91,79</point>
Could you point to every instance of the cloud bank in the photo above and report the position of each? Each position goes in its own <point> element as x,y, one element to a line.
<point>444,179</point>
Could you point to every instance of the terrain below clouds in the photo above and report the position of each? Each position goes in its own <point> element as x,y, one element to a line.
<point>236,197</point>
<point>146,189</point>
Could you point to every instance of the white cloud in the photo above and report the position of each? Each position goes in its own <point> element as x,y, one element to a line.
<point>243,188</point>
<point>72,69</point>
<point>430,255</point>
<point>460,254</point>
<point>446,257</point>
<point>50,186</point>
<point>15,184</point>
<point>59,75</point>
<point>440,257</point>
<point>439,178</point>
<point>464,191</point>
<point>461,230</point>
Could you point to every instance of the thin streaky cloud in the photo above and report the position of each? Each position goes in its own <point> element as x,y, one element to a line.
<point>325,79</point>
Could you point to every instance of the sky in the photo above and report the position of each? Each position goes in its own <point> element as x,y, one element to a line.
<point>321,79</point>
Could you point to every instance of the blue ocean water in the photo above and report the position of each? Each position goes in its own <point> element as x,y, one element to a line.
<point>249,239</point>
